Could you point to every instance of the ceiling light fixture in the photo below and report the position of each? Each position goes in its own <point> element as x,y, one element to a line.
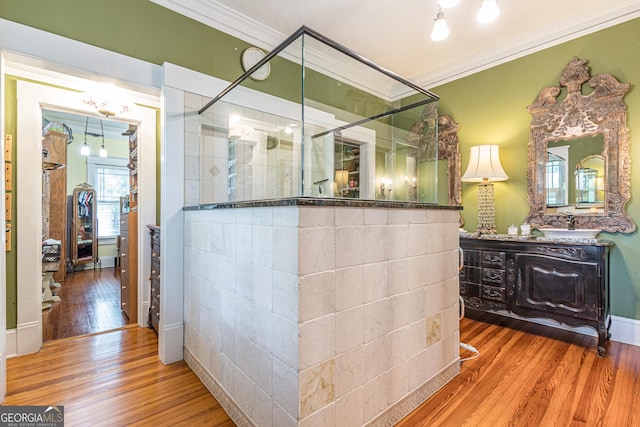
<point>488,12</point>
<point>440,28</point>
<point>85,150</point>
<point>103,151</point>
<point>446,4</point>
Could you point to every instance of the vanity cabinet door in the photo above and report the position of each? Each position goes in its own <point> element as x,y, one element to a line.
<point>563,287</point>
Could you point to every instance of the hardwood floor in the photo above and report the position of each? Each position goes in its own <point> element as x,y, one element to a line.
<point>112,379</point>
<point>526,375</point>
<point>89,303</point>
<point>532,375</point>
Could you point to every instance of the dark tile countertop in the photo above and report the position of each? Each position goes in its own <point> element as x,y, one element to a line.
<point>322,201</point>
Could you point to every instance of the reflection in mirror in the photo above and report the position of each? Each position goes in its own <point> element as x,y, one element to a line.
<point>84,241</point>
<point>579,160</point>
<point>562,171</point>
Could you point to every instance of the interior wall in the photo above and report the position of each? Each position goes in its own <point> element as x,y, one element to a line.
<point>491,107</point>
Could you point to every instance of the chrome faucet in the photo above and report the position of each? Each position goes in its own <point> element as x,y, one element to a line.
<point>571,222</point>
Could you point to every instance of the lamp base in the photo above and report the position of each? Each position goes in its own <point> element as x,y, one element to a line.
<point>486,209</point>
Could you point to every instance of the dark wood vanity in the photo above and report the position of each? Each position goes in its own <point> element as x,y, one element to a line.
<point>560,280</point>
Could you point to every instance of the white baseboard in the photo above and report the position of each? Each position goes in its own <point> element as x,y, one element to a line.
<point>11,342</point>
<point>622,329</point>
<point>625,330</point>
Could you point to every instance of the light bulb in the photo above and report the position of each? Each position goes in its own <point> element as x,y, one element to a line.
<point>440,29</point>
<point>103,151</point>
<point>85,150</point>
<point>488,12</point>
<point>446,4</point>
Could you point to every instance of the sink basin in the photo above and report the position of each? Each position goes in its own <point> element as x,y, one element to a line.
<point>580,233</point>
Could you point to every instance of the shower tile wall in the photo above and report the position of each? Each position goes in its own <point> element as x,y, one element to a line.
<point>286,306</point>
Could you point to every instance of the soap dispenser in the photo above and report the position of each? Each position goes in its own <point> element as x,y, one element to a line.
<point>512,230</point>
<point>525,229</point>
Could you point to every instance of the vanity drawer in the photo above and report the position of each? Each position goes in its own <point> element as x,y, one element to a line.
<point>492,276</point>
<point>470,275</point>
<point>492,259</point>
<point>493,293</point>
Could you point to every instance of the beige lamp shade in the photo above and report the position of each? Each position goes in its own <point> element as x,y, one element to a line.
<point>484,165</point>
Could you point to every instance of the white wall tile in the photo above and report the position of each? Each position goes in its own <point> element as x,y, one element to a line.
<point>317,341</point>
<point>377,321</point>
<point>374,397</point>
<point>317,295</point>
<point>261,407</point>
<point>316,251</point>
<point>285,295</point>
<point>285,341</point>
<point>285,387</point>
<point>326,417</point>
<point>375,243</point>
<point>349,287</point>
<point>397,383</point>
<point>285,249</point>
<point>316,216</point>
<point>349,243</point>
<point>282,418</point>
<point>397,277</point>
<point>374,216</point>
<point>244,354</point>
<point>262,368</point>
<point>374,281</point>
<point>345,216</point>
<point>349,371</point>
<point>349,329</point>
<point>263,324</point>
<point>350,409</point>
<point>398,236</point>
<point>375,358</point>
<point>243,387</point>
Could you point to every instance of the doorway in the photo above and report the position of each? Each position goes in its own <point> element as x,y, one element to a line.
<point>91,156</point>
<point>33,99</point>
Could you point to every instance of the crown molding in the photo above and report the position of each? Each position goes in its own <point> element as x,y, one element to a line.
<point>225,19</point>
<point>585,23</point>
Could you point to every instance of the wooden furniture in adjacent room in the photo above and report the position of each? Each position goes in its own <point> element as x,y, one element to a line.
<point>154,304</point>
<point>564,281</point>
<point>54,201</point>
<point>129,265</point>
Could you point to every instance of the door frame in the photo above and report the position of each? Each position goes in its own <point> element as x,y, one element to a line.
<point>32,99</point>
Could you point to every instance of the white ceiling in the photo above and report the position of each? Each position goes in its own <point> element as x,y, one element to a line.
<point>396,35</point>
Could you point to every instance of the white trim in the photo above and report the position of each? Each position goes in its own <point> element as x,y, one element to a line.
<point>40,50</point>
<point>225,19</point>
<point>12,343</point>
<point>3,258</point>
<point>171,328</point>
<point>29,334</point>
<point>625,330</point>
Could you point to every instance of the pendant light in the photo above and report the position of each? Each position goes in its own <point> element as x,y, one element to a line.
<point>440,28</point>
<point>488,12</point>
<point>103,151</point>
<point>85,150</point>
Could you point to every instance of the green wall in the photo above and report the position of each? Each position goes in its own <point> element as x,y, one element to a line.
<point>491,106</point>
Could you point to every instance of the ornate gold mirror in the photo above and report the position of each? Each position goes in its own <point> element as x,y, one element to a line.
<point>579,153</point>
<point>84,227</point>
<point>449,150</point>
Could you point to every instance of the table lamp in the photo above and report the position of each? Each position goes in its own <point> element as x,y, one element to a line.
<point>485,168</point>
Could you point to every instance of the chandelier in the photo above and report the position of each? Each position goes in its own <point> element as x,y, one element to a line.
<point>488,12</point>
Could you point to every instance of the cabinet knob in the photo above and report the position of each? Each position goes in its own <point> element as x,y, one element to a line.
<point>124,271</point>
<point>124,303</point>
<point>124,287</point>
<point>153,307</point>
<point>123,238</point>
<point>123,255</point>
<point>153,272</point>
<point>153,254</point>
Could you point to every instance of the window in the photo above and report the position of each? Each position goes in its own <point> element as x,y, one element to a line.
<point>556,176</point>
<point>111,181</point>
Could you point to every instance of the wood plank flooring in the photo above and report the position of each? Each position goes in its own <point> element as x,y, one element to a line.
<point>90,303</point>
<point>112,379</point>
<point>532,375</point>
<point>526,375</point>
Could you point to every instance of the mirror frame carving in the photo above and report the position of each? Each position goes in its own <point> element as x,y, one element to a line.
<point>449,149</point>
<point>601,112</point>
<point>75,260</point>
